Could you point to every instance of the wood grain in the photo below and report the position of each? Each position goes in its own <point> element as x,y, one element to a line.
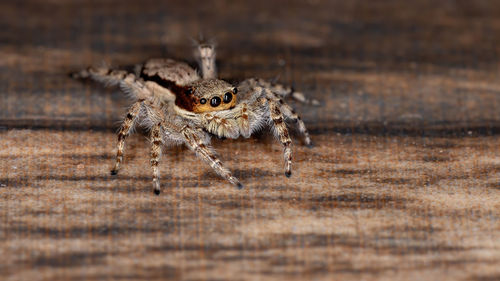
<point>403,182</point>
<point>371,208</point>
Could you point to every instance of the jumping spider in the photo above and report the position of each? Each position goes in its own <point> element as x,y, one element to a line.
<point>178,106</point>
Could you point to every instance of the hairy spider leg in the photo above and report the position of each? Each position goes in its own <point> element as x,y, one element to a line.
<point>283,91</point>
<point>281,130</point>
<point>124,132</point>
<point>289,113</point>
<point>128,82</point>
<point>204,150</point>
<point>156,142</point>
<point>103,74</point>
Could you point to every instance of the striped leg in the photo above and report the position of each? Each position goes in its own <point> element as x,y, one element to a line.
<point>203,150</point>
<point>156,142</point>
<point>282,132</point>
<point>289,113</point>
<point>127,81</point>
<point>283,91</point>
<point>102,74</point>
<point>127,126</point>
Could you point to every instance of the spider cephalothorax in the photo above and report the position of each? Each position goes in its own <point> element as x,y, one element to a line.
<point>179,106</point>
<point>212,95</point>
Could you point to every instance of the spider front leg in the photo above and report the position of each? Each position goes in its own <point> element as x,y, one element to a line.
<point>199,144</point>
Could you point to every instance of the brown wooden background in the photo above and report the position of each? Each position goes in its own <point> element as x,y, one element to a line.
<point>403,183</point>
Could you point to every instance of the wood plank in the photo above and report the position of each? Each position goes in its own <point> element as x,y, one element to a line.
<point>403,182</point>
<point>357,207</point>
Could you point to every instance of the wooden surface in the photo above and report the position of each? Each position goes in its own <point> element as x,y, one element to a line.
<point>403,182</point>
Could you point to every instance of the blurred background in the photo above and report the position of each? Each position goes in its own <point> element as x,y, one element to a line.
<point>403,183</point>
<point>382,64</point>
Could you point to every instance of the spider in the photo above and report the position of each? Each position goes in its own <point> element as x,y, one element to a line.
<point>178,105</point>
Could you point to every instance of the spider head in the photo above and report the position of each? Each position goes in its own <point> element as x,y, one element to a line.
<point>212,95</point>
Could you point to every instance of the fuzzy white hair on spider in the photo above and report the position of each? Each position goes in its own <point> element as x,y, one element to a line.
<point>181,106</point>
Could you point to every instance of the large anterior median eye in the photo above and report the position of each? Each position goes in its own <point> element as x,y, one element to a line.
<point>215,101</point>
<point>228,97</point>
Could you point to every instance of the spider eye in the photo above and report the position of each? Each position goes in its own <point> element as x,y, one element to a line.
<point>203,101</point>
<point>235,91</point>
<point>228,97</point>
<point>215,101</point>
<point>188,91</point>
